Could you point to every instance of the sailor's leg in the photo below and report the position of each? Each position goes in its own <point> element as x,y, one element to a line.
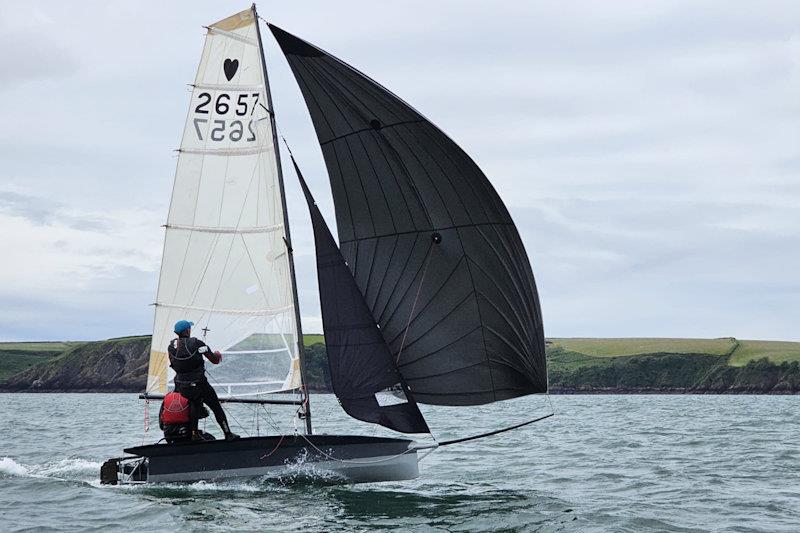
<point>210,399</point>
<point>209,396</point>
<point>195,404</point>
<point>194,415</point>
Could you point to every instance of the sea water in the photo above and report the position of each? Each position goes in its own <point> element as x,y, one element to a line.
<point>603,463</point>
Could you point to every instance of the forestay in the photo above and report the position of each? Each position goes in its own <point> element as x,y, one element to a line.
<point>431,246</point>
<point>225,264</point>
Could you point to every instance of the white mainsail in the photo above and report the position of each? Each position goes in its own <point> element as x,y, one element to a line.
<point>225,265</point>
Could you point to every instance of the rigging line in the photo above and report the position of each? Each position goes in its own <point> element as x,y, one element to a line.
<point>414,305</point>
<point>550,401</point>
<point>270,420</point>
<point>495,432</point>
<point>275,449</point>
<point>232,415</point>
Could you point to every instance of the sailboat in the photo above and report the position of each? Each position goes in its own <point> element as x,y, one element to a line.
<point>428,296</point>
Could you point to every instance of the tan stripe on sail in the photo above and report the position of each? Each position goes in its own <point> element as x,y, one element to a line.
<point>234,22</point>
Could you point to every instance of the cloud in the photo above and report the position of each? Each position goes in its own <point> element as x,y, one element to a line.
<point>30,52</point>
<point>648,152</point>
<point>73,268</point>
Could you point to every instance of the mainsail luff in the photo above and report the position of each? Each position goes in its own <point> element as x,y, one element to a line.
<point>224,240</point>
<point>430,243</point>
<point>288,236</point>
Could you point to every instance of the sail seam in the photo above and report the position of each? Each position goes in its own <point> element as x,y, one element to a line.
<point>362,83</point>
<point>383,277</point>
<point>341,182</point>
<point>529,313</point>
<point>336,154</point>
<point>379,139</point>
<point>483,330</point>
<point>356,132</point>
<point>388,108</point>
<point>375,174</point>
<point>445,228</point>
<point>232,35</point>
<point>451,371</point>
<point>411,282</point>
<point>533,313</point>
<point>519,320</point>
<point>363,189</point>
<point>432,298</point>
<point>430,179</point>
<point>461,302</point>
<point>437,350</point>
<point>342,87</point>
<point>466,210</point>
<point>467,175</point>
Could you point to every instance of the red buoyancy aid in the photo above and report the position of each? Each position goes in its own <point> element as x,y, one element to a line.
<point>175,409</point>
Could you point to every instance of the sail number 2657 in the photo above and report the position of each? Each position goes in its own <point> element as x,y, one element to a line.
<point>242,105</point>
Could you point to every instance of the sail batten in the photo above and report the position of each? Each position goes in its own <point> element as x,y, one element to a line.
<point>232,35</point>
<point>227,152</point>
<point>429,242</point>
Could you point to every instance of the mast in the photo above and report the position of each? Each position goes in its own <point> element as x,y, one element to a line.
<point>287,233</point>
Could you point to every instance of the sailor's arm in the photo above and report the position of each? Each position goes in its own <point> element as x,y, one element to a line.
<point>214,357</point>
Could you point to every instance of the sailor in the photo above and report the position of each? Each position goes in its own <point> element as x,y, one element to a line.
<point>186,358</point>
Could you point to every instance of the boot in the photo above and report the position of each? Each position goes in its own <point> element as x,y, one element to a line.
<point>229,435</point>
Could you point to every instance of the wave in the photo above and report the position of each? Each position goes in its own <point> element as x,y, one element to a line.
<point>10,468</point>
<point>71,467</point>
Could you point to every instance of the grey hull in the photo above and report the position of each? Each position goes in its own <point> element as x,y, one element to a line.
<point>331,458</point>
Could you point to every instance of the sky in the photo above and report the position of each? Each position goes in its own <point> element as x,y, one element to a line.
<point>649,152</point>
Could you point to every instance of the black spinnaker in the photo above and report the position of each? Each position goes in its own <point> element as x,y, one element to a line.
<point>429,242</point>
<point>361,364</point>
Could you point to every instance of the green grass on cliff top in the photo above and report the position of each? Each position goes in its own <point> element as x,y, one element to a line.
<point>775,351</point>
<point>16,357</point>
<point>619,347</point>
<point>741,351</point>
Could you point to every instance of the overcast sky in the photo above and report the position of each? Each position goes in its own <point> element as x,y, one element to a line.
<point>648,151</point>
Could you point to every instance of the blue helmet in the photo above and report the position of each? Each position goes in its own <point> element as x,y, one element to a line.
<point>182,325</point>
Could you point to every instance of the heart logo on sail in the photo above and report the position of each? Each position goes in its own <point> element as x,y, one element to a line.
<point>230,66</point>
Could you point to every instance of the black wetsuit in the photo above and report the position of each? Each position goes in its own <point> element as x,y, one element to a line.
<point>186,357</point>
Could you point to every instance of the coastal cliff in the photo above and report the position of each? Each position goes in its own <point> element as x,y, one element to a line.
<point>576,366</point>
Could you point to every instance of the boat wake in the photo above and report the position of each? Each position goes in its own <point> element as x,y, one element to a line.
<point>67,469</point>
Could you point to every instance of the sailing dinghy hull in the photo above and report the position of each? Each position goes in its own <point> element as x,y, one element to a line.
<point>331,458</point>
